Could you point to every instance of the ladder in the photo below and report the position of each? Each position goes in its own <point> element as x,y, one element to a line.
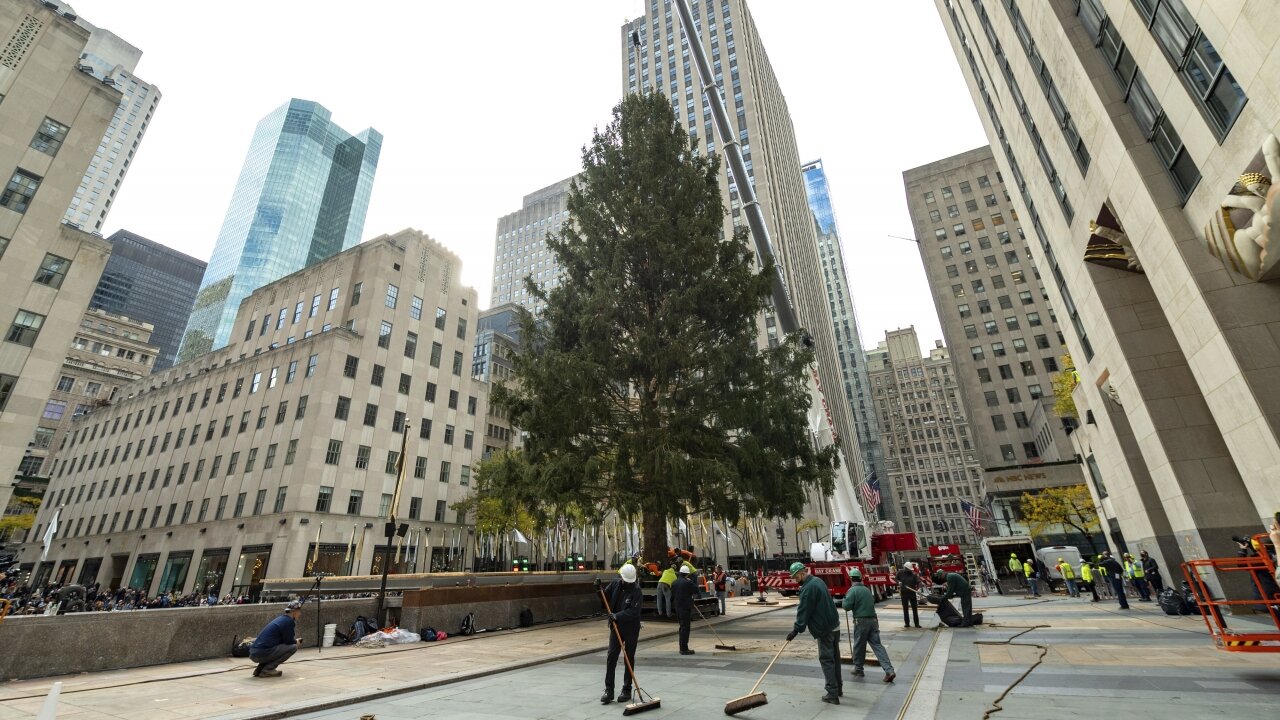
<point>975,575</point>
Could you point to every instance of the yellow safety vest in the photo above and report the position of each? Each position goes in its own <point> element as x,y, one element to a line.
<point>1067,572</point>
<point>1085,573</point>
<point>1026,569</point>
<point>1014,565</point>
<point>1135,570</point>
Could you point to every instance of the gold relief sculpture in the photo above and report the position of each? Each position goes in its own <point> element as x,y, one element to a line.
<point>1245,232</point>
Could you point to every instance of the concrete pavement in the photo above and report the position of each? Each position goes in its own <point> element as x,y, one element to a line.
<point>1098,661</point>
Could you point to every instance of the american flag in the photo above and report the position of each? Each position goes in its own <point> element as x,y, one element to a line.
<point>974,514</point>
<point>870,489</point>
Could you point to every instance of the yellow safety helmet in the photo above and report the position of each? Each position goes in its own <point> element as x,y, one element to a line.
<point>1061,560</point>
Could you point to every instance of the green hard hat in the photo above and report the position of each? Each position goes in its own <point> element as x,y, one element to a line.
<point>796,567</point>
<point>855,574</point>
<point>1013,555</point>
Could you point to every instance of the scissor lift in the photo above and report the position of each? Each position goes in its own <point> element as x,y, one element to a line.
<point>1259,567</point>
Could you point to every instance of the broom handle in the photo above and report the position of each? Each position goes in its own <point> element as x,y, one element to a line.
<point>622,646</point>
<point>708,622</point>
<point>769,667</point>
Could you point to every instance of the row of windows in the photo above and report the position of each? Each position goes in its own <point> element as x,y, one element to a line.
<point>965,188</point>
<point>355,501</point>
<point>978,224</point>
<point>88,461</point>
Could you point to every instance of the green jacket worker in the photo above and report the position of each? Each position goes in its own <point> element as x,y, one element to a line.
<point>817,611</point>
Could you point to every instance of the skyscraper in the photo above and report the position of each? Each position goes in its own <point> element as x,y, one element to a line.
<point>520,249</point>
<point>113,61</point>
<point>1123,128</point>
<point>997,318</point>
<point>652,61</point>
<point>302,197</point>
<point>147,281</point>
<point>932,464</point>
<point>51,119</point>
<point>844,319</point>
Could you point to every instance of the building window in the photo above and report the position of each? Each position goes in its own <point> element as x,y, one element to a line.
<point>940,234</point>
<point>53,270</point>
<point>393,294</point>
<point>958,229</point>
<point>26,328</point>
<point>457,362</point>
<point>411,345</point>
<point>997,349</point>
<point>1034,392</point>
<point>440,318</point>
<point>19,192</point>
<point>324,498</point>
<point>420,468</point>
<point>376,377</point>
<point>362,457</point>
<point>334,453</point>
<point>977,353</point>
<point>997,423</point>
<point>415,308</point>
<point>384,334</point>
<point>354,501</point>
<point>984,375</point>
<point>1006,452</point>
<point>370,414</point>
<point>403,387</point>
<point>1030,450</point>
<point>444,471</point>
<point>393,462</point>
<point>355,293</point>
<point>49,136</point>
<point>352,364</point>
<point>342,408</point>
<point>928,197</point>
<point>441,506</point>
<point>436,350</point>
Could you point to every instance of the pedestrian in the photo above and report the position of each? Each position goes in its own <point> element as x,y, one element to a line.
<point>625,599</point>
<point>664,589</point>
<point>859,602</point>
<point>276,642</point>
<point>908,586</point>
<point>1069,577</point>
<point>1115,575</point>
<point>1015,568</point>
<point>682,592</point>
<point>957,587</point>
<point>1152,570</point>
<point>817,611</point>
<point>721,583</point>
<point>1033,577</point>
<point>1086,577</point>
<point>1133,569</point>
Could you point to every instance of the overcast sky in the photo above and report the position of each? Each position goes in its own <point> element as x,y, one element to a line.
<point>481,103</point>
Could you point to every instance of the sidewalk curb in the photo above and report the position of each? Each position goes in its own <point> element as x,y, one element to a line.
<point>300,708</point>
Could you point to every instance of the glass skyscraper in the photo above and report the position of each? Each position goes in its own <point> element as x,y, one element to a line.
<point>302,197</point>
<point>147,281</point>
<point>844,320</point>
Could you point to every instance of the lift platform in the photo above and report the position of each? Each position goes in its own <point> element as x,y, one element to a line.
<point>1261,571</point>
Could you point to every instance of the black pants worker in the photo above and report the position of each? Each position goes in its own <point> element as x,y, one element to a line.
<point>910,601</point>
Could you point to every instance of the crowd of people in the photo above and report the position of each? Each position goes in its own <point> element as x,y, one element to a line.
<point>55,598</point>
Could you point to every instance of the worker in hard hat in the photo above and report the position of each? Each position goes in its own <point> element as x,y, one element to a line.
<point>1015,568</point>
<point>625,599</point>
<point>682,592</point>
<point>861,604</point>
<point>1069,576</point>
<point>1086,577</point>
<point>1033,577</point>
<point>817,612</point>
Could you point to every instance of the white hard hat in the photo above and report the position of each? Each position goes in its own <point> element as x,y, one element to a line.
<point>628,573</point>
<point>684,569</point>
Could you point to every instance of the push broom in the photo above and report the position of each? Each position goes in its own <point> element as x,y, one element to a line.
<point>721,645</point>
<point>641,705</point>
<point>753,699</point>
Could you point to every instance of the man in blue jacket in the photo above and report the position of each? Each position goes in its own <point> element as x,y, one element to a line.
<point>276,642</point>
<point>817,611</point>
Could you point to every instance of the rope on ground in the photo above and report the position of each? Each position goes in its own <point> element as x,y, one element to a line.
<point>1044,650</point>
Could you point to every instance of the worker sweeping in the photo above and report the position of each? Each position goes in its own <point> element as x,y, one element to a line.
<point>860,603</point>
<point>817,612</point>
<point>624,598</point>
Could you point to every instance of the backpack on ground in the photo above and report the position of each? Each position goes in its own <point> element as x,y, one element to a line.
<point>468,625</point>
<point>428,634</point>
<point>241,649</point>
<point>526,618</point>
<point>1172,602</point>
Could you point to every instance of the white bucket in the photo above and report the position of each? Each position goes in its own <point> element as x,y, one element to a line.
<point>330,631</point>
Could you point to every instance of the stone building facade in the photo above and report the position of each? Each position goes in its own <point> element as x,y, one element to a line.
<point>932,462</point>
<point>226,470</point>
<point>1123,129</point>
<point>52,116</point>
<point>996,314</point>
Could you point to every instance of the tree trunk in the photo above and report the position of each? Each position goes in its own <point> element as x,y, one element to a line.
<point>653,535</point>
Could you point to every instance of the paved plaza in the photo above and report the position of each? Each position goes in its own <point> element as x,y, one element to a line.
<point>1097,661</point>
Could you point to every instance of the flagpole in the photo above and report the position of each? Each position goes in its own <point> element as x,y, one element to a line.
<point>390,527</point>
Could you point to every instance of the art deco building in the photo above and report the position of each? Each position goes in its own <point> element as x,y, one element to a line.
<point>222,471</point>
<point>520,249</point>
<point>996,314</point>
<point>301,197</point>
<point>932,463</point>
<point>1123,128</point>
<point>52,117</point>
<point>655,58</point>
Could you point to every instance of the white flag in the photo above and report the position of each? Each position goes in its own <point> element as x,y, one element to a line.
<point>519,536</point>
<point>49,533</point>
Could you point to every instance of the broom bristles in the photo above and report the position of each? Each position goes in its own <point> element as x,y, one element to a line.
<point>733,707</point>
<point>651,704</point>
